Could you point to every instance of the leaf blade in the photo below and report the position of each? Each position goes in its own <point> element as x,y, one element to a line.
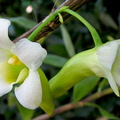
<point>55,60</point>
<point>103,111</point>
<point>67,40</point>
<point>25,22</point>
<point>82,88</point>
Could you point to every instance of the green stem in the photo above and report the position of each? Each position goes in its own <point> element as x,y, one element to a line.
<point>95,35</point>
<point>46,21</point>
<point>93,32</point>
<point>37,30</point>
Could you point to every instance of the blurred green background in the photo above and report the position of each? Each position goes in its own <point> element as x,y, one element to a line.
<point>104,15</point>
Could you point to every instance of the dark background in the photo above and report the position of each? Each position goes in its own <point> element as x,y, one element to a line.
<point>104,15</point>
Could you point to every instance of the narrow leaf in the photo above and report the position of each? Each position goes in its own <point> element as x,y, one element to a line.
<point>84,87</point>
<point>11,99</point>
<point>102,84</point>
<point>103,112</point>
<point>55,60</point>
<point>67,40</point>
<point>25,22</point>
<point>108,21</point>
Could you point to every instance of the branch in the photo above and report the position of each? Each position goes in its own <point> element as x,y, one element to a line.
<point>73,5</point>
<point>75,105</point>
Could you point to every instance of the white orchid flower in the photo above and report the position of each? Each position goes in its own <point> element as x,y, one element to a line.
<point>103,61</point>
<point>18,65</point>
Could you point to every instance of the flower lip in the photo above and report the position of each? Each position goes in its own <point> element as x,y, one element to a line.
<point>14,60</point>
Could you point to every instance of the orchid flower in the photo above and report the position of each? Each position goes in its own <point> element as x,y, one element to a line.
<point>19,63</point>
<point>103,61</point>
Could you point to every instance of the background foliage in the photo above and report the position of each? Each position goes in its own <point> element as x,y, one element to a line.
<point>104,15</point>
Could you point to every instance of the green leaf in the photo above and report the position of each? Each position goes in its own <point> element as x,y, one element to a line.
<point>25,113</point>
<point>103,112</point>
<point>25,22</point>
<point>102,84</point>
<point>47,99</point>
<point>107,20</point>
<point>55,60</point>
<point>11,99</point>
<point>67,40</point>
<point>58,49</point>
<point>84,87</point>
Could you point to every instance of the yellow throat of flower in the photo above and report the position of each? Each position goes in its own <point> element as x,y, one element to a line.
<point>14,60</point>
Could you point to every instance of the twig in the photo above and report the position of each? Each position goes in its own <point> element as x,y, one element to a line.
<point>75,105</point>
<point>73,4</point>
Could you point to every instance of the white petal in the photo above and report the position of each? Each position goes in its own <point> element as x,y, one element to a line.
<point>5,42</point>
<point>116,68</point>
<point>111,81</point>
<point>30,53</point>
<point>29,93</point>
<point>107,53</point>
<point>4,55</point>
<point>4,87</point>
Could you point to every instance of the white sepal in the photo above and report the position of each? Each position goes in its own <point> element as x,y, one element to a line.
<point>5,42</point>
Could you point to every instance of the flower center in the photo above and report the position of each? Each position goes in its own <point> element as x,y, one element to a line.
<point>14,60</point>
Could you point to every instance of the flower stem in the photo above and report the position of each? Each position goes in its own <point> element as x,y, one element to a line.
<point>36,31</point>
<point>47,20</point>
<point>95,35</point>
<point>70,106</point>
